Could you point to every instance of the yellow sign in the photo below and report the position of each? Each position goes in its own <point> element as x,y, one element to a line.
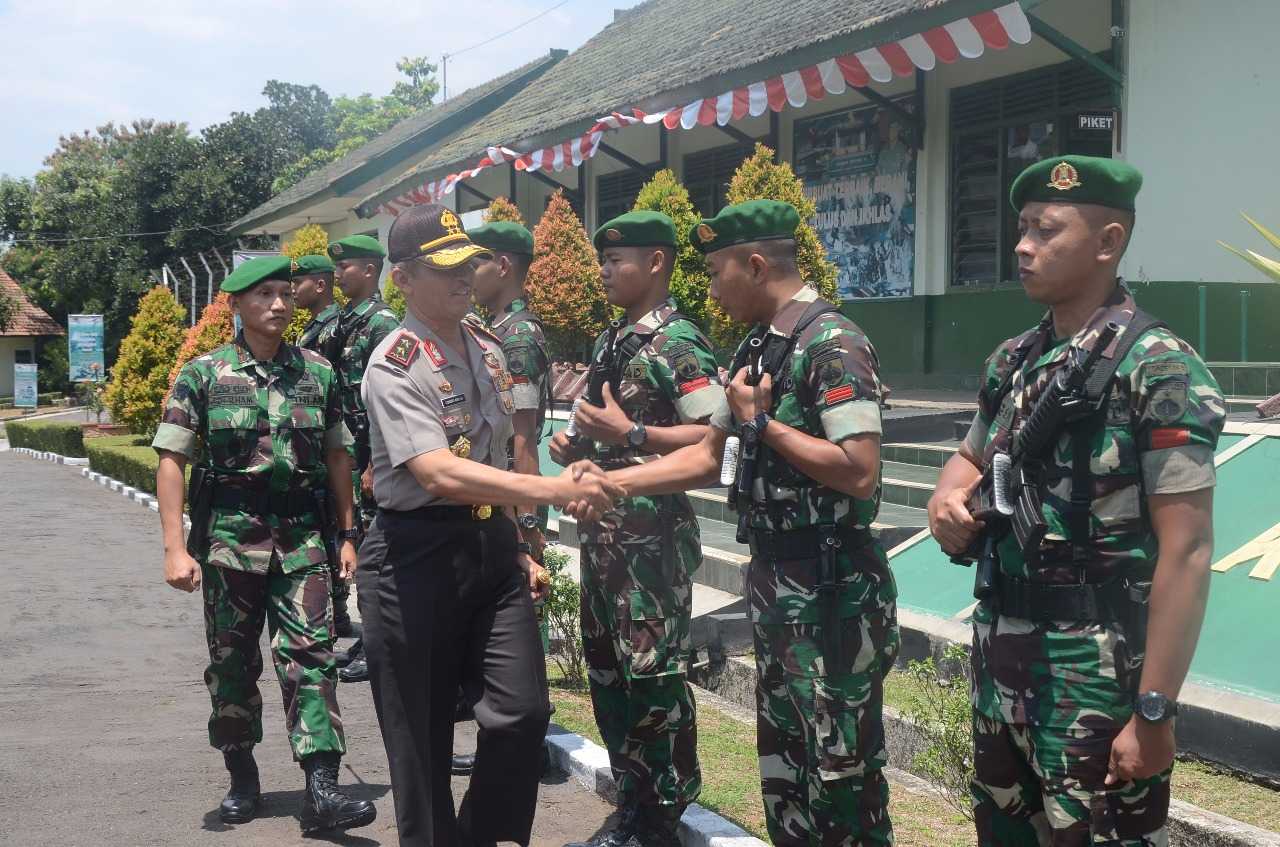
<point>1265,548</point>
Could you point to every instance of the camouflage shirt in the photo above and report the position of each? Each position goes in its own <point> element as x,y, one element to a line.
<point>1161,426</point>
<point>672,379</point>
<point>319,328</point>
<point>376,322</point>
<point>830,389</point>
<point>525,348</point>
<point>263,425</point>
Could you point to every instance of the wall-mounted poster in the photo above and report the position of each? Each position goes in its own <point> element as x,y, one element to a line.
<point>859,167</point>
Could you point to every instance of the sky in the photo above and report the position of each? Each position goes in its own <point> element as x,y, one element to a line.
<point>71,65</point>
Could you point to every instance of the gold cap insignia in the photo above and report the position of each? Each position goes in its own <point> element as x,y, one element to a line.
<point>450,222</point>
<point>335,249</point>
<point>613,234</point>
<point>293,266</point>
<point>482,513</point>
<point>1064,177</point>
<point>706,234</point>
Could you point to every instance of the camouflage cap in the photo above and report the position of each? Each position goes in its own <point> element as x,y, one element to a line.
<point>743,223</point>
<point>434,234</point>
<point>637,229</point>
<point>312,264</point>
<point>255,271</point>
<point>503,236</point>
<point>356,247</point>
<point>1077,179</point>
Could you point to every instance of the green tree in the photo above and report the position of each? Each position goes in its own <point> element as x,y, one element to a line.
<point>214,329</point>
<point>420,89</point>
<point>8,309</point>
<point>564,282</point>
<point>502,209</point>
<point>140,377</point>
<point>760,178</point>
<point>689,280</point>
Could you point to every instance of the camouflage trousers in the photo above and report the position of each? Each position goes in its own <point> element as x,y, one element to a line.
<point>295,607</point>
<point>820,731</point>
<point>635,635</point>
<point>1043,787</point>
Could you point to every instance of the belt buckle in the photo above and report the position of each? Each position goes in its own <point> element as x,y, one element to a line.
<point>481,512</point>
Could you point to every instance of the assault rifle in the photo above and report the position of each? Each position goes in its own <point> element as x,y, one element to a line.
<point>602,370</point>
<point>738,466</point>
<point>1008,497</point>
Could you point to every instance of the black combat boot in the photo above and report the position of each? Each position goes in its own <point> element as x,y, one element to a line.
<point>660,826</point>
<point>324,806</point>
<point>357,669</point>
<point>241,802</point>
<point>626,834</point>
<point>341,619</point>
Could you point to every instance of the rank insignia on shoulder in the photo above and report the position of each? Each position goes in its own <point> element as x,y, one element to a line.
<point>692,385</point>
<point>434,353</point>
<point>403,350</point>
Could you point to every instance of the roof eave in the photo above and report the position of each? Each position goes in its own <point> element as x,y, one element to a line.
<point>367,169</point>
<point>893,29</point>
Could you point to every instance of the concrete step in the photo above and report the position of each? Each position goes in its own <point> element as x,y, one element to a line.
<point>724,560</point>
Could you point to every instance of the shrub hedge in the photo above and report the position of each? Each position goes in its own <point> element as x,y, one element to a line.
<point>128,458</point>
<point>52,436</point>
<point>44,398</point>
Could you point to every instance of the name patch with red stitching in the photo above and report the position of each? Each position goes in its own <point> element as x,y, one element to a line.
<point>1162,438</point>
<point>838,395</point>
<point>692,385</point>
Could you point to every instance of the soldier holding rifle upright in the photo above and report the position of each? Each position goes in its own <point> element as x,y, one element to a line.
<point>1084,491</point>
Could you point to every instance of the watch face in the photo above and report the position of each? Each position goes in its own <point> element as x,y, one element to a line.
<point>1153,706</point>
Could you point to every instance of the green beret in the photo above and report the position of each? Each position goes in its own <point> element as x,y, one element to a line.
<point>307,265</point>
<point>743,223</point>
<point>255,271</point>
<point>1077,179</point>
<point>637,229</point>
<point>503,236</point>
<point>356,247</point>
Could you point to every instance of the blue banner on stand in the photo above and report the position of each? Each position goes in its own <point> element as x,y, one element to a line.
<point>85,348</point>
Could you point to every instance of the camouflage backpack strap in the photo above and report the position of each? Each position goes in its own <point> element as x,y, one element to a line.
<point>1097,389</point>
<point>633,343</point>
<point>777,354</point>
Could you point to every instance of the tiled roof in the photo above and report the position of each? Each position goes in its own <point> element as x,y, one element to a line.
<point>402,140</point>
<point>30,319</point>
<point>661,51</point>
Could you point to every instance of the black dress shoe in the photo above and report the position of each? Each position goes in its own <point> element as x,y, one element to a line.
<point>625,834</point>
<point>324,806</point>
<point>463,765</point>
<point>342,658</point>
<point>356,671</point>
<point>241,803</point>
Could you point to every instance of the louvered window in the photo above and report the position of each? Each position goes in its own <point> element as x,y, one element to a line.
<point>707,174</point>
<point>998,128</point>
<point>616,193</point>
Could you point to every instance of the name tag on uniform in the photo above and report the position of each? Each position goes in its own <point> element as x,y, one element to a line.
<point>222,394</point>
<point>450,402</point>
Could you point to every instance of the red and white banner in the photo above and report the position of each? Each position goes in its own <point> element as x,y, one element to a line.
<point>968,38</point>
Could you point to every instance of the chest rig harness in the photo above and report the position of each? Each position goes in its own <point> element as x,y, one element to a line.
<point>766,352</point>
<point>1010,497</point>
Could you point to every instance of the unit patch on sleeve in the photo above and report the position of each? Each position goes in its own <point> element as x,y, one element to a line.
<point>692,385</point>
<point>838,395</point>
<point>403,350</point>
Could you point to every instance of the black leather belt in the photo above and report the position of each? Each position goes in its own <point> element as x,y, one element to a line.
<point>293,503</point>
<point>807,542</point>
<point>1044,601</point>
<point>444,513</point>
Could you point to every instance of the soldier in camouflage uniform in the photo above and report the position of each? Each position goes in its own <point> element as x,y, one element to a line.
<point>364,323</point>
<point>637,564</point>
<point>1074,687</point>
<point>820,592</point>
<point>313,290</point>
<point>264,422</point>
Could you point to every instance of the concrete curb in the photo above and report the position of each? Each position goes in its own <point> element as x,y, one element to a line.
<point>588,763</point>
<point>51,457</point>
<point>138,496</point>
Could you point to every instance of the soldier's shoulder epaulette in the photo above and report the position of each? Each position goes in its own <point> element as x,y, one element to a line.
<point>403,349</point>
<point>311,357</point>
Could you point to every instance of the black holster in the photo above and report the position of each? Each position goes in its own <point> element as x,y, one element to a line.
<point>200,504</point>
<point>833,658</point>
<point>358,424</point>
<point>328,528</point>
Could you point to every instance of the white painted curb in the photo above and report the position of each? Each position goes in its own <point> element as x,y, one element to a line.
<point>137,495</point>
<point>588,764</point>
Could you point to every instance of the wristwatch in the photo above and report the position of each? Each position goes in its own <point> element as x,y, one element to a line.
<point>524,547</point>
<point>529,520</point>
<point>638,434</point>
<point>352,534</point>
<point>759,423</point>
<point>1154,707</point>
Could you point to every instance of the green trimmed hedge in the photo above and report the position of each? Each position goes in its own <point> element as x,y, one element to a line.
<point>128,458</point>
<point>45,399</point>
<point>51,436</point>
